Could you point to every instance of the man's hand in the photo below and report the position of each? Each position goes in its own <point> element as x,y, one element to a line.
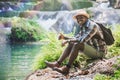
<point>61,36</point>
<point>64,43</point>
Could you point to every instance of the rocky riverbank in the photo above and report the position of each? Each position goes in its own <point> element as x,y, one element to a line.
<point>104,66</point>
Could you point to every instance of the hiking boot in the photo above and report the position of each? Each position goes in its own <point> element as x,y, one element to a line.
<point>63,70</point>
<point>52,64</point>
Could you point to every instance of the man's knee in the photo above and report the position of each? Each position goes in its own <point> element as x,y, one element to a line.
<point>79,46</point>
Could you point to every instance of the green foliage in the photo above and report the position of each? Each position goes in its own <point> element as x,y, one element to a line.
<point>101,77</point>
<point>24,30</point>
<point>117,36</point>
<point>54,5</point>
<point>105,77</point>
<point>9,13</point>
<point>116,75</point>
<point>50,52</point>
<point>79,4</point>
<point>114,50</point>
<point>80,61</point>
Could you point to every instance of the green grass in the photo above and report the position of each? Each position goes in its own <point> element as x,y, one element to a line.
<point>80,4</point>
<point>114,50</point>
<point>50,52</point>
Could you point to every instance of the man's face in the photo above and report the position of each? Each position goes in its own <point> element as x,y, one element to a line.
<point>81,19</point>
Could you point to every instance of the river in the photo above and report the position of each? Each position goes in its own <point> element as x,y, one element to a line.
<point>16,60</point>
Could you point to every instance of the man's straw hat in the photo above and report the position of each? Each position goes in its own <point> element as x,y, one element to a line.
<point>81,13</point>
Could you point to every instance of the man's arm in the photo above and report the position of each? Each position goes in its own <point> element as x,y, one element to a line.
<point>62,37</point>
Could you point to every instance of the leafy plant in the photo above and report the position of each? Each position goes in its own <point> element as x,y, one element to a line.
<point>102,77</point>
<point>114,50</point>
<point>9,13</point>
<point>26,30</point>
<point>50,52</point>
<point>117,72</point>
<point>79,4</point>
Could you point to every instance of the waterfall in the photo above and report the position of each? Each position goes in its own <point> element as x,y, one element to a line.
<point>66,5</point>
<point>58,21</point>
<point>4,34</point>
<point>5,52</point>
<point>62,21</point>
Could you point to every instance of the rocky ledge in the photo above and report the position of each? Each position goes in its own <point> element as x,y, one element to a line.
<point>104,66</point>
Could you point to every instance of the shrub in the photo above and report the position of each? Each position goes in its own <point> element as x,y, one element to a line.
<point>114,50</point>
<point>101,77</point>
<point>50,52</point>
<point>26,30</point>
<point>9,13</point>
<point>79,4</point>
<point>117,72</point>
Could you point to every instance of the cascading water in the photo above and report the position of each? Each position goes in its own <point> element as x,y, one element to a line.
<point>4,34</point>
<point>5,51</point>
<point>59,21</point>
<point>62,21</point>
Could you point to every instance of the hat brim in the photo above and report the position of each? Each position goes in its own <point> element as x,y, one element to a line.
<point>86,15</point>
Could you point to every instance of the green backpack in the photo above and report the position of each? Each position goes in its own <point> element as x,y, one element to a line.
<point>107,34</point>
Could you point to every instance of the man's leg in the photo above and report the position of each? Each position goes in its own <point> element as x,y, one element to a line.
<point>92,52</point>
<point>62,57</point>
<point>66,53</point>
<point>73,54</point>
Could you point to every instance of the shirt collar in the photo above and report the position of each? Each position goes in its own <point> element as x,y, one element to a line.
<point>87,24</point>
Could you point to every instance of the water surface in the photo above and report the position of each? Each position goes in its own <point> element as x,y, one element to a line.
<point>16,60</point>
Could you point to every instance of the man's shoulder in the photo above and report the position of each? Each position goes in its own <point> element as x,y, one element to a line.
<point>92,23</point>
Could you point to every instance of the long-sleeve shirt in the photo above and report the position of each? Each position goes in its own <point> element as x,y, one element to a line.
<point>91,34</point>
